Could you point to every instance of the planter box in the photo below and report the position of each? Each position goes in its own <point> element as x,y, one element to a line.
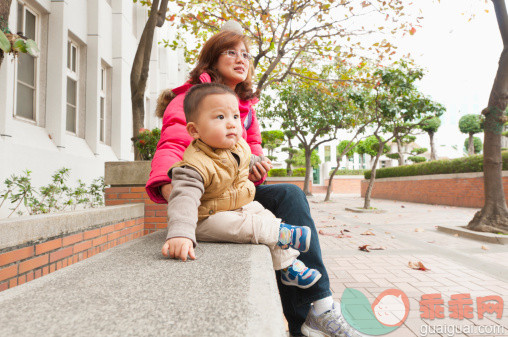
<point>347,184</point>
<point>298,181</point>
<point>460,189</point>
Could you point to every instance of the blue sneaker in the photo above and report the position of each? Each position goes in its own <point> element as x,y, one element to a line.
<point>294,237</point>
<point>299,275</point>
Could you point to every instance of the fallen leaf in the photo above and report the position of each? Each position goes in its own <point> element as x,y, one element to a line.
<point>485,248</point>
<point>338,236</point>
<point>388,233</point>
<point>378,248</point>
<point>419,230</point>
<point>393,237</point>
<point>456,235</point>
<point>364,248</point>
<point>367,233</point>
<point>417,266</point>
<point>346,230</point>
<point>402,206</point>
<point>433,241</point>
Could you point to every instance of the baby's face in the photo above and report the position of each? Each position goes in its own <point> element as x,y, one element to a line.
<point>219,124</point>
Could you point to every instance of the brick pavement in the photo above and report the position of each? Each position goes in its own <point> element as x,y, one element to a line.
<point>408,233</point>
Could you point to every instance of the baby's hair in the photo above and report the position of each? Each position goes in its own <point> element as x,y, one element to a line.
<point>197,94</point>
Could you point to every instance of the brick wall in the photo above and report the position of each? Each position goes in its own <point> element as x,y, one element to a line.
<point>26,262</point>
<point>345,185</point>
<point>298,183</point>
<point>462,192</point>
<point>155,214</point>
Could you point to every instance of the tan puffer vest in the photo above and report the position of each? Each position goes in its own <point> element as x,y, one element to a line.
<point>227,184</point>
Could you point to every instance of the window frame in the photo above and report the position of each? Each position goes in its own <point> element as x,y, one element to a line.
<point>73,75</point>
<point>35,115</point>
<point>102,105</point>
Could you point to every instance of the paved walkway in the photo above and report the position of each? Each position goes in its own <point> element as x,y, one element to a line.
<point>408,233</point>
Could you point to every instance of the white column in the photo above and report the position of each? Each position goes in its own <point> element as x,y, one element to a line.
<point>93,68</point>
<point>57,73</point>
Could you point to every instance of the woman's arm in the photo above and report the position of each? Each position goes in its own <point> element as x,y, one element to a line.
<point>258,175</point>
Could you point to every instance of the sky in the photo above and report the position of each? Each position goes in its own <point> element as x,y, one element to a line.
<point>460,58</point>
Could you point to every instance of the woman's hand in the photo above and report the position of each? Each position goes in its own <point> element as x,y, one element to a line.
<point>166,191</point>
<point>259,170</point>
<point>179,248</point>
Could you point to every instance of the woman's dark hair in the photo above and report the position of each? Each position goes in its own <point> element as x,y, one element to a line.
<point>207,59</point>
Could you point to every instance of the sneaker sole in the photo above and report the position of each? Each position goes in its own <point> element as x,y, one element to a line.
<point>307,242</point>
<point>309,332</point>
<point>302,287</point>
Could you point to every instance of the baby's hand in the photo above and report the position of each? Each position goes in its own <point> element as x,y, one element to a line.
<point>179,248</point>
<point>260,169</point>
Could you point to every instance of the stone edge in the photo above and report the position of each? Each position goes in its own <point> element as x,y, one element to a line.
<point>466,233</point>
<point>14,232</point>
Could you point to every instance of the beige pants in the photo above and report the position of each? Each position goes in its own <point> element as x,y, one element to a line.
<point>250,224</point>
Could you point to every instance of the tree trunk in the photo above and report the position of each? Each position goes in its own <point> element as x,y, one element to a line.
<point>400,151</point>
<point>330,181</point>
<point>5,7</point>
<point>368,193</point>
<point>493,217</point>
<point>308,172</point>
<point>432,146</point>
<point>470,145</point>
<point>140,67</point>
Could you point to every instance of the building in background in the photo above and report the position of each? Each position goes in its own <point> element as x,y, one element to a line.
<point>71,107</point>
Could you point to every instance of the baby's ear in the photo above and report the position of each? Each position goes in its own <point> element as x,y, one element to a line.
<point>192,130</point>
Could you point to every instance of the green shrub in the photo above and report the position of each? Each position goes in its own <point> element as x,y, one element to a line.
<point>459,165</point>
<point>347,172</point>
<point>278,173</point>
<point>146,142</point>
<point>299,172</point>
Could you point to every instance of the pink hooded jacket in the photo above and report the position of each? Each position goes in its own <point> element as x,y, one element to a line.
<point>175,139</point>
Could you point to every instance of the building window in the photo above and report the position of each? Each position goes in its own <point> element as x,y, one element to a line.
<point>328,156</point>
<point>72,87</point>
<point>102,112</point>
<point>27,66</point>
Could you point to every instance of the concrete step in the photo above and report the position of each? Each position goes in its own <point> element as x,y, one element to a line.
<point>131,290</point>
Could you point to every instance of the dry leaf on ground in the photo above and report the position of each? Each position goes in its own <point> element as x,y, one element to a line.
<point>456,235</point>
<point>485,248</point>
<point>338,236</point>
<point>367,233</point>
<point>419,230</point>
<point>417,266</point>
<point>364,248</point>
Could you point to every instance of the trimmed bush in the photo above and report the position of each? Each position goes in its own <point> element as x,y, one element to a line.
<point>278,173</point>
<point>299,172</point>
<point>459,165</point>
<point>348,172</point>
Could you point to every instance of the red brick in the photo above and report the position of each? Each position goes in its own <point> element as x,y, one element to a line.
<point>75,259</point>
<point>16,255</point>
<point>107,229</point>
<point>33,263</point>
<point>157,207</point>
<point>4,286</point>
<point>13,282</point>
<point>52,268</point>
<point>38,273</point>
<point>21,280</point>
<point>130,196</point>
<point>71,239</point>
<point>59,265</point>
<point>45,270</point>
<point>149,213</point>
<point>130,223</point>
<point>113,236</point>
<point>79,247</point>
<point>111,196</point>
<point>48,246</point>
<point>117,189</point>
<point>99,241</point>
<point>61,254</point>
<point>162,213</point>
<point>161,225</point>
<point>138,189</point>
<point>8,272</point>
<point>29,276</point>
<point>156,219</point>
<point>92,234</point>
<point>119,226</point>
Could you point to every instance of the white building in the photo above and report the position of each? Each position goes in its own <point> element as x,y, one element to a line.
<point>71,107</point>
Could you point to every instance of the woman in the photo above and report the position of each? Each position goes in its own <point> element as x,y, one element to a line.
<point>225,59</point>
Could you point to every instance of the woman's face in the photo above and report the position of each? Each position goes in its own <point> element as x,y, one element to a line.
<point>233,68</point>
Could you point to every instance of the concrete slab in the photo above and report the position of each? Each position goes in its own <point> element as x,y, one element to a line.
<point>131,290</point>
<point>466,233</point>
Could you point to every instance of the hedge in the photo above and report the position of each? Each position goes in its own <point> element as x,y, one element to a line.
<point>298,172</point>
<point>459,165</point>
<point>348,172</point>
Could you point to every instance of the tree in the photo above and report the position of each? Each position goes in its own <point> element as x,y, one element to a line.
<point>430,126</point>
<point>291,151</point>
<point>399,109</point>
<point>415,155</point>
<point>346,148</point>
<point>300,160</point>
<point>283,31</point>
<point>272,140</point>
<point>493,217</point>
<point>310,113</point>
<point>477,145</point>
<point>141,64</point>
<point>470,124</point>
<point>402,142</point>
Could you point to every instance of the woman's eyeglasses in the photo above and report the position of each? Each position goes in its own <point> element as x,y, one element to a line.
<point>234,54</point>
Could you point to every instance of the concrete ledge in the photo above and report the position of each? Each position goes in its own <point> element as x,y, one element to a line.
<point>131,290</point>
<point>127,173</point>
<point>480,236</point>
<point>14,232</point>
